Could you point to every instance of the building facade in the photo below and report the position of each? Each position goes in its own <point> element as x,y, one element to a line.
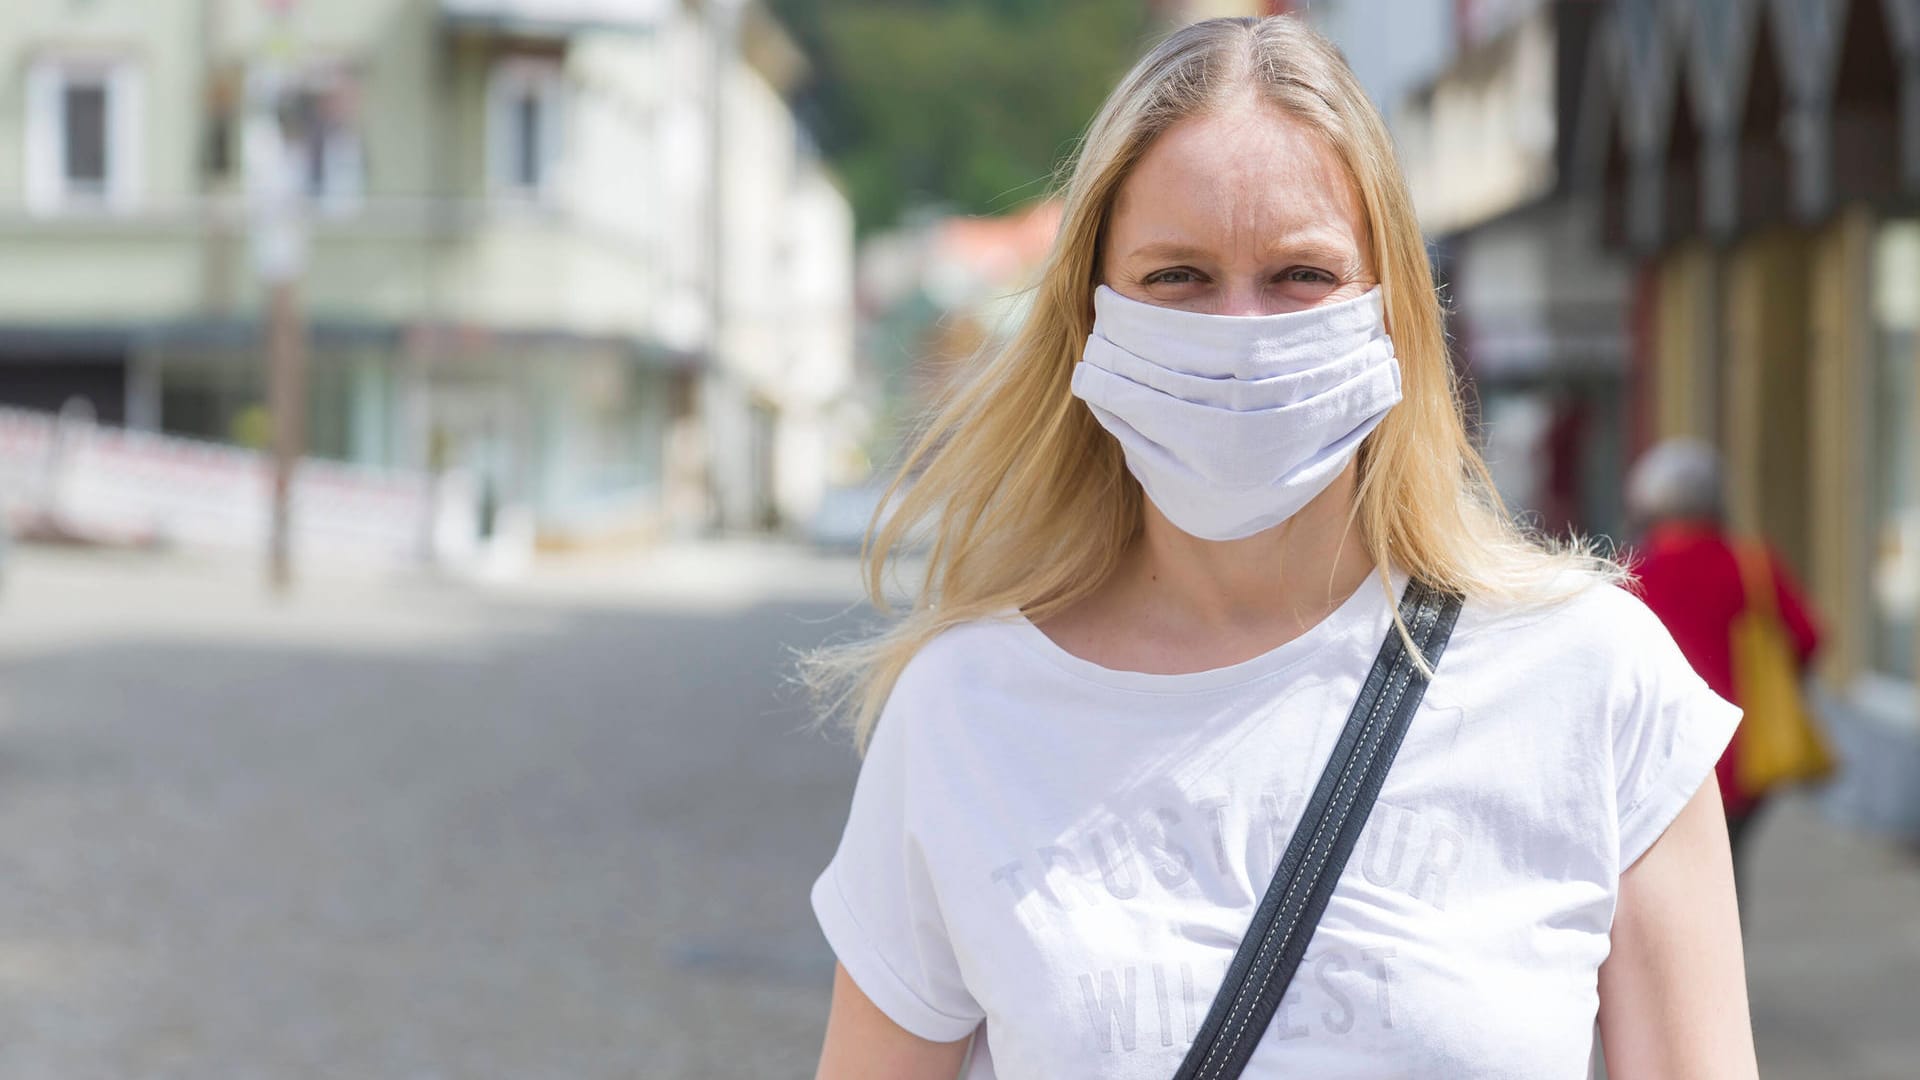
<point>1697,217</point>
<point>1491,144</point>
<point>1759,160</point>
<point>508,214</point>
<point>1178,12</point>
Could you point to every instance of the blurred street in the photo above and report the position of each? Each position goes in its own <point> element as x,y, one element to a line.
<point>1833,951</point>
<point>410,831</point>
<point>562,828</point>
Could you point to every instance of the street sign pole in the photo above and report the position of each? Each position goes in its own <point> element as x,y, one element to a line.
<point>277,211</point>
<point>287,404</point>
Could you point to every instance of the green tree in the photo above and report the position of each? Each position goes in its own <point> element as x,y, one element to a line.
<point>969,104</point>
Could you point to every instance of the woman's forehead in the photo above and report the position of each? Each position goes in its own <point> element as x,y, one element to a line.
<point>1249,178</point>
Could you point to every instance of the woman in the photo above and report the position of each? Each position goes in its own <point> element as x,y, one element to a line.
<point>1167,527</point>
<point>1690,577</point>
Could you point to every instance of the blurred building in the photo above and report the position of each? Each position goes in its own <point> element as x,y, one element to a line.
<point>1388,65</point>
<point>1760,162</point>
<point>1489,140</point>
<point>1178,12</point>
<point>934,292</point>
<point>510,242</point>
<point>1668,217</point>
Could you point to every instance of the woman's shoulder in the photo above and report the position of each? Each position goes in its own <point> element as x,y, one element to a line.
<point>1578,623</point>
<point>961,654</point>
<point>946,681</point>
<point>1581,604</point>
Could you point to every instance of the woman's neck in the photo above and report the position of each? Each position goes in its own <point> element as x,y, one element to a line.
<point>1299,570</point>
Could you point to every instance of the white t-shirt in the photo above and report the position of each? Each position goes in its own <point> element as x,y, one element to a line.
<point>1064,857</point>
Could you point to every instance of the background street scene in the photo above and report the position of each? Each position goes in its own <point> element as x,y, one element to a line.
<point>429,428</point>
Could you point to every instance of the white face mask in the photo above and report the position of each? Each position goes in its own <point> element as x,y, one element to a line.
<point>1233,423</point>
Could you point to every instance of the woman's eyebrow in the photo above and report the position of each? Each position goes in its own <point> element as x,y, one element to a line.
<point>1315,245</point>
<point>1168,249</point>
<point>1313,249</point>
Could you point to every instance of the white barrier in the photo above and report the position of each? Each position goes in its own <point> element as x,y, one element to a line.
<point>135,486</point>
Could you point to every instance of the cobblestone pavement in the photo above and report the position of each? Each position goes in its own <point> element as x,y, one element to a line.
<point>559,829</point>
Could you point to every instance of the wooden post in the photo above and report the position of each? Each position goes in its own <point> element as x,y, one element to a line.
<point>1837,506</point>
<point>1685,340</point>
<point>1769,341</point>
<point>287,404</point>
<point>276,198</point>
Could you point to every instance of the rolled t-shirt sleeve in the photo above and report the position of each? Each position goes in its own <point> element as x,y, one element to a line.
<point>876,902</point>
<point>1669,728</point>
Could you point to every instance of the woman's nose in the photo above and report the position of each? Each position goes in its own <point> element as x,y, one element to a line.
<point>1246,299</point>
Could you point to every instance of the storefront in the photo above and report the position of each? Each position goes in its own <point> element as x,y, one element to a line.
<point>562,436</point>
<point>1757,162</point>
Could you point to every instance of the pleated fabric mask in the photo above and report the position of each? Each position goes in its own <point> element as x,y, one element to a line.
<point>1232,423</point>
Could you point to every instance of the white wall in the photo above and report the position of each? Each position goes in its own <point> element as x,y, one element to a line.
<point>1388,65</point>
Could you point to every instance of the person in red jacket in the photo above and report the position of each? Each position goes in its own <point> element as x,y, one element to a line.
<point>1689,577</point>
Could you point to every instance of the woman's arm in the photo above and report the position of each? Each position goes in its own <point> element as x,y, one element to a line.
<point>1673,992</point>
<point>863,1044</point>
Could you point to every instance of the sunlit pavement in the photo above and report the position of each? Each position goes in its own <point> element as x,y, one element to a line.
<point>1833,950</point>
<point>562,827</point>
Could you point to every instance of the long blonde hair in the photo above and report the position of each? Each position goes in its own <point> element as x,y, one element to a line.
<point>1021,498</point>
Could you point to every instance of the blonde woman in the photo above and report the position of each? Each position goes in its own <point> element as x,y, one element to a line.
<point>1169,528</point>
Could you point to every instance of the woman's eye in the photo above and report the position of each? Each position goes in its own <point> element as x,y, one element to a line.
<point>1307,275</point>
<point>1175,276</point>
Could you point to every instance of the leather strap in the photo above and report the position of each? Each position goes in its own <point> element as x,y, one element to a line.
<point>1304,881</point>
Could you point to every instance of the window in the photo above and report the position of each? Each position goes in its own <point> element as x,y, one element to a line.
<point>83,148</point>
<point>1894,496</point>
<point>524,127</point>
<point>84,131</point>
<point>325,139</point>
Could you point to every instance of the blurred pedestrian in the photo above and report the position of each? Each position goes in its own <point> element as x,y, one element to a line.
<point>1691,575</point>
<point>1201,535</point>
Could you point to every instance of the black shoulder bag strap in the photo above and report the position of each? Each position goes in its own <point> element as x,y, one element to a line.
<point>1304,881</point>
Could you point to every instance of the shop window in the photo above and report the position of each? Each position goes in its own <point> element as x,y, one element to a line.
<point>1894,497</point>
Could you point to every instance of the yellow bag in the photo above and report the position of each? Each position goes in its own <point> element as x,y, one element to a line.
<point>1779,741</point>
